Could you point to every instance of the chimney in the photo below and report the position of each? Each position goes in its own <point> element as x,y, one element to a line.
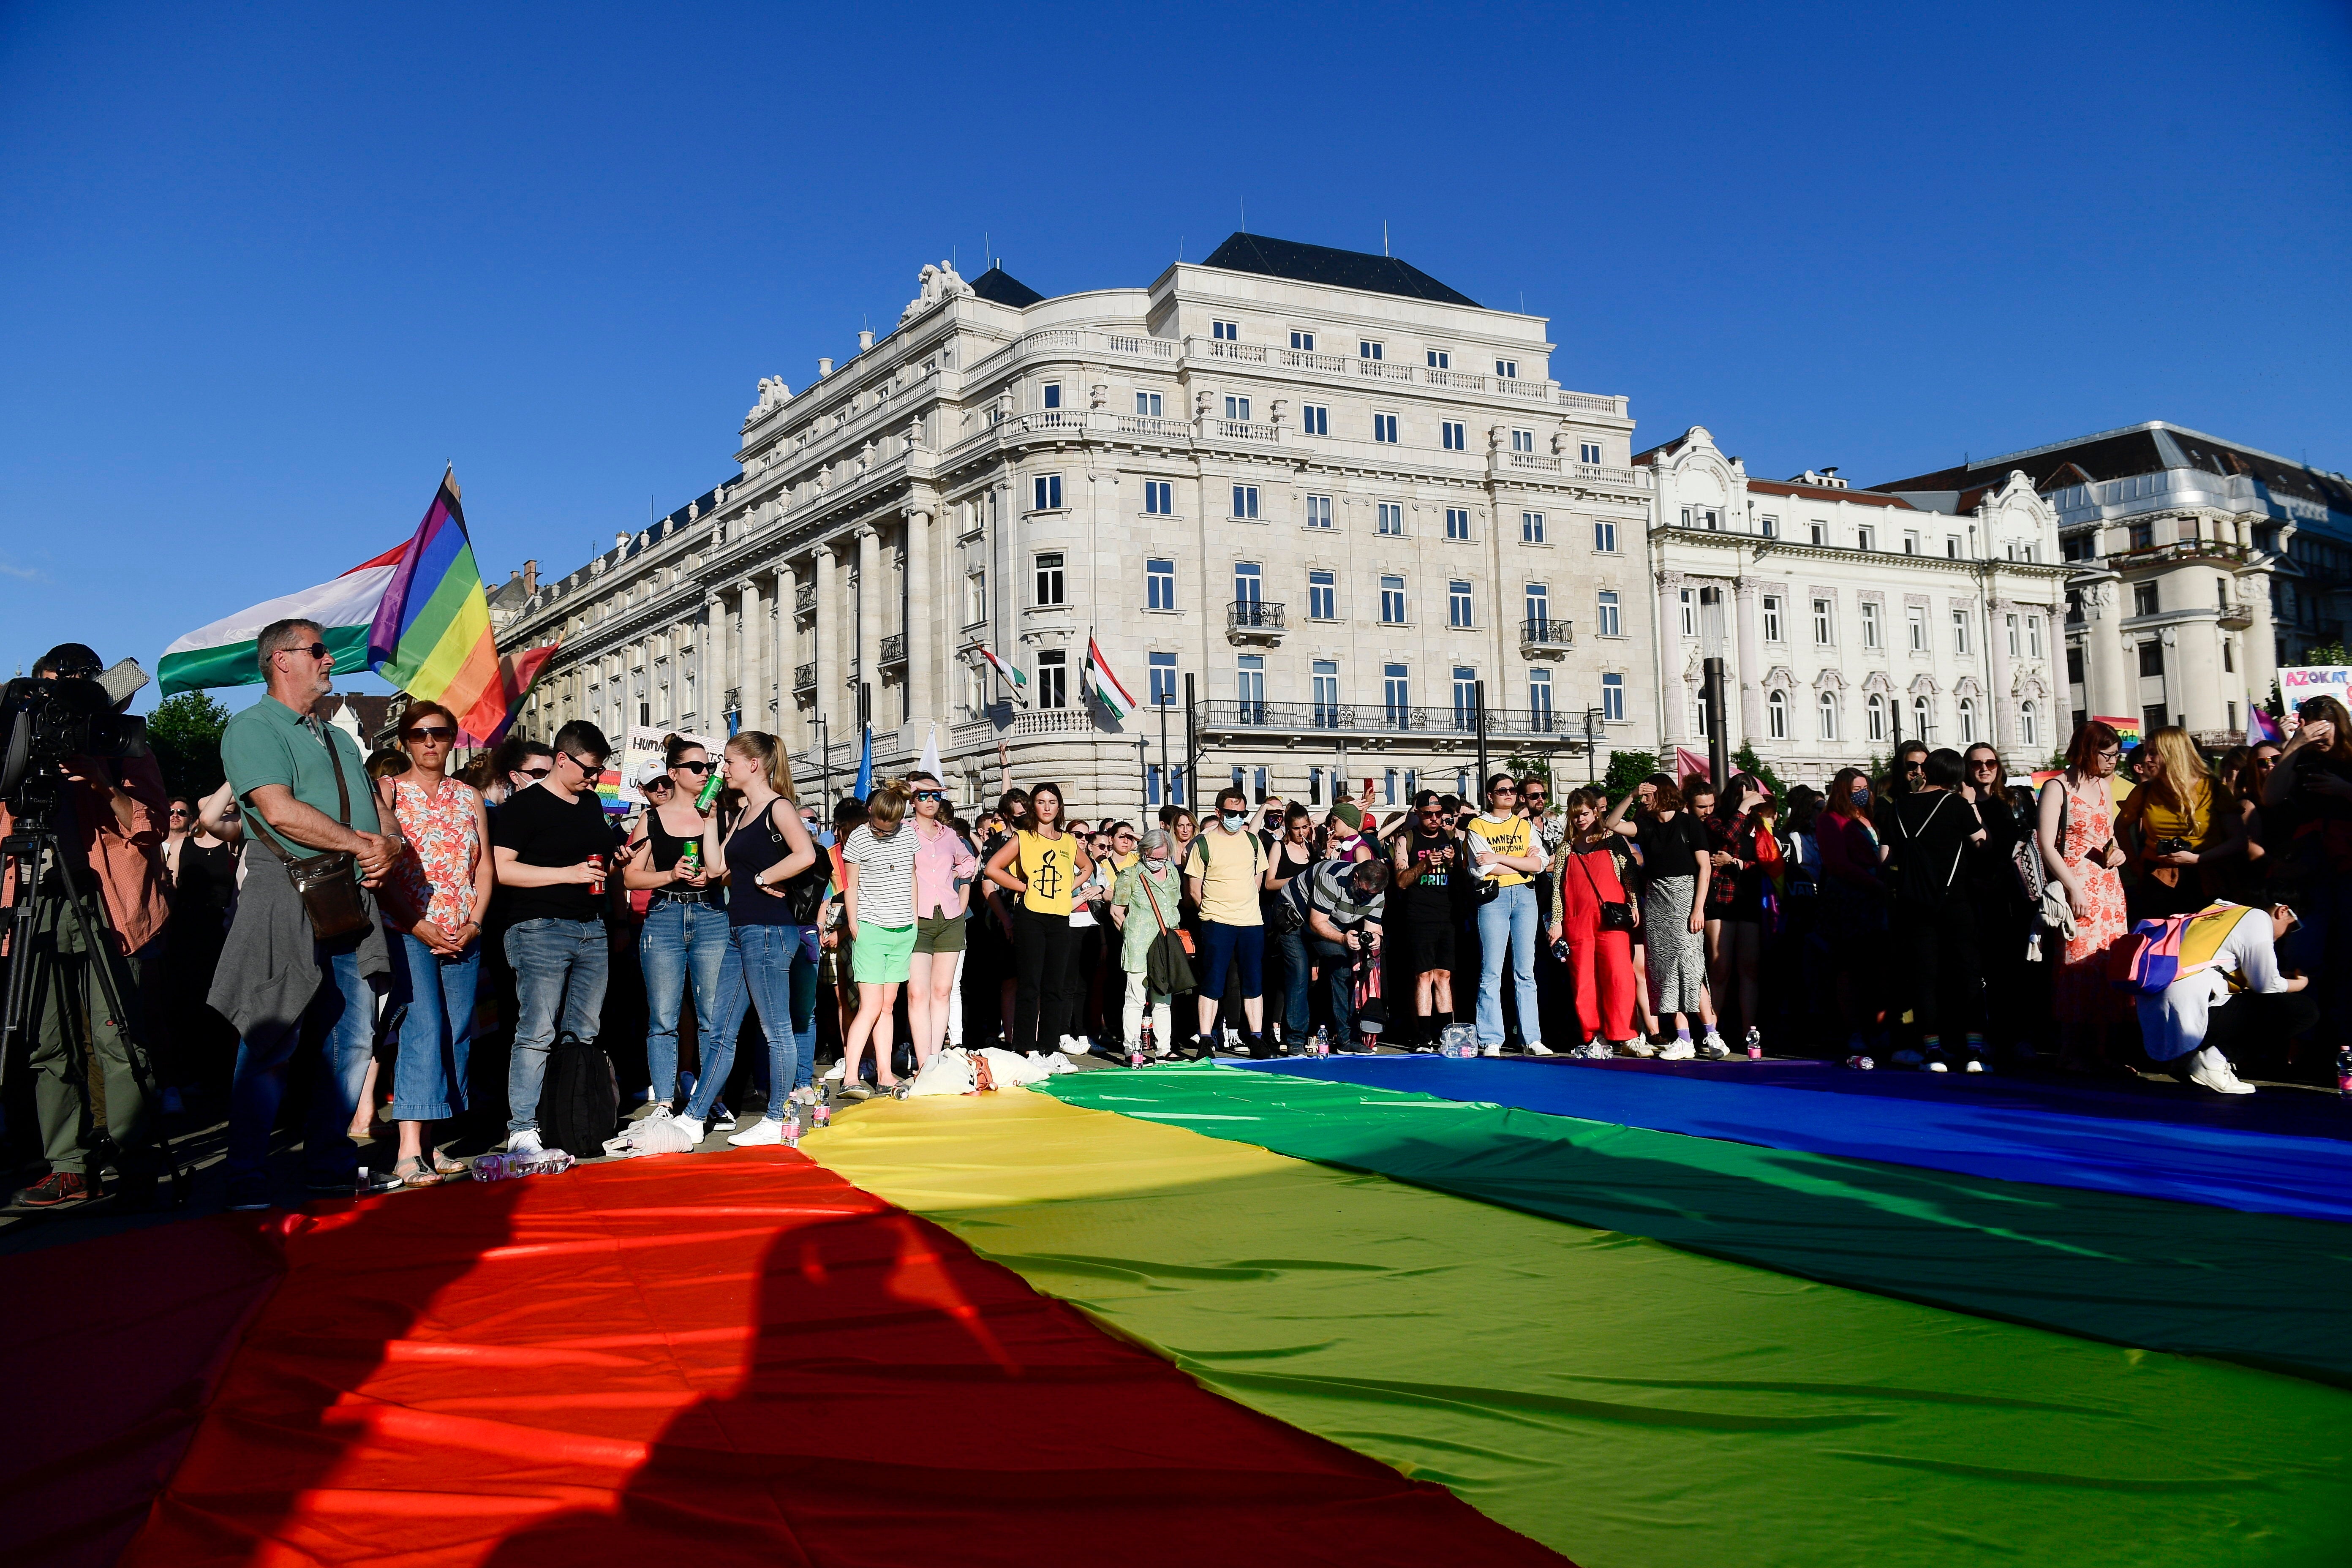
<point>530,577</point>
<point>865,340</point>
<point>514,574</point>
<point>824,368</point>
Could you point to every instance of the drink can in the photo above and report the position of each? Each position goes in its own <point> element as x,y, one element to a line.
<point>596,887</point>
<point>692,855</point>
<point>709,793</point>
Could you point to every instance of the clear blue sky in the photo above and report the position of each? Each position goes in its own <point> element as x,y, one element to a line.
<point>265,267</point>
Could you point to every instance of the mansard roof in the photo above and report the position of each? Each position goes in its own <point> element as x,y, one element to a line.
<point>2149,447</point>
<point>1304,263</point>
<point>1002,288</point>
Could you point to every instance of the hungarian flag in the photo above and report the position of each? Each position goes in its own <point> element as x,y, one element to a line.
<point>226,653</point>
<point>1013,678</point>
<point>1107,688</point>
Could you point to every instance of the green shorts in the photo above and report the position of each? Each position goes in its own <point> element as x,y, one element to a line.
<point>938,933</point>
<point>879,956</point>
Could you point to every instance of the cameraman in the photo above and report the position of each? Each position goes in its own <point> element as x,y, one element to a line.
<point>110,825</point>
<point>283,987</point>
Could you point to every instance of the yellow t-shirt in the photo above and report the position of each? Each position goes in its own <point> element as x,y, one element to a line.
<point>1510,836</point>
<point>1050,867</point>
<point>1231,865</point>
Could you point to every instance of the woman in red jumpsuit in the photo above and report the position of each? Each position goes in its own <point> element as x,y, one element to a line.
<point>1584,875</point>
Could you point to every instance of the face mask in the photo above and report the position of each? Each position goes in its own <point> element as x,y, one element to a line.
<point>1861,793</point>
<point>1233,820</point>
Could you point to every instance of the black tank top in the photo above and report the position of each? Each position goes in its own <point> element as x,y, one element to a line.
<point>667,846</point>
<point>1433,887</point>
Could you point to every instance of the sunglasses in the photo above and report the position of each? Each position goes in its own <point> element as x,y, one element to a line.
<point>1985,762</point>
<point>930,794</point>
<point>315,650</point>
<point>440,734</point>
<point>2294,921</point>
<point>697,769</point>
<point>585,764</point>
<point>537,773</point>
<point>180,811</point>
<point>655,783</point>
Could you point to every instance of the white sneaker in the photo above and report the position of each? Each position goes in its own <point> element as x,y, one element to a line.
<point>1494,1050</point>
<point>761,1134</point>
<point>1072,1046</point>
<point>690,1130</point>
<point>1678,1049</point>
<point>1536,1049</point>
<point>721,1119</point>
<point>833,1073</point>
<point>526,1142</point>
<point>1713,1048</point>
<point>1638,1046</point>
<point>1974,1062</point>
<point>2208,1068</point>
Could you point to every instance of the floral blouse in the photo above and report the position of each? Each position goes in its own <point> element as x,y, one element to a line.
<point>436,875</point>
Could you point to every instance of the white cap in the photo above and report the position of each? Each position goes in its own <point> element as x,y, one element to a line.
<point>651,770</point>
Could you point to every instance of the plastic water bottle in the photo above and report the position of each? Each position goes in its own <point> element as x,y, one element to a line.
<point>360,1184</point>
<point>793,1128</point>
<point>821,1114</point>
<point>1859,1063</point>
<point>2344,1072</point>
<point>1143,1047</point>
<point>1323,1040</point>
<point>492,1167</point>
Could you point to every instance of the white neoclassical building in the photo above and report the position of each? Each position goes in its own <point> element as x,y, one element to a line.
<point>1309,503</point>
<point>1849,619</point>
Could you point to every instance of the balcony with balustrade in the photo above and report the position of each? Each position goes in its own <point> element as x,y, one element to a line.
<point>1253,621</point>
<point>804,599</point>
<point>894,649</point>
<point>1326,723</point>
<point>1541,633</point>
<point>804,678</point>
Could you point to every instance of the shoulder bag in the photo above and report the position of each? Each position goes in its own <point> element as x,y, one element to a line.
<point>1169,960</point>
<point>804,891</point>
<point>1614,916</point>
<point>328,884</point>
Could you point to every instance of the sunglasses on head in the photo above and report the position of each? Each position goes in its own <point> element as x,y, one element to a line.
<point>440,732</point>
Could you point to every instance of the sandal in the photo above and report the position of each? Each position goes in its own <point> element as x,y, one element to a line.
<point>416,1174</point>
<point>449,1166</point>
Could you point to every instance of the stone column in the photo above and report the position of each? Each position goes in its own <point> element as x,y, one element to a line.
<point>828,646</point>
<point>1751,674</point>
<point>1672,707</point>
<point>789,724</point>
<point>1998,707</point>
<point>755,657</point>
<point>2110,683</point>
<point>870,574</point>
<point>924,614</point>
<point>2260,667</point>
<point>718,671</point>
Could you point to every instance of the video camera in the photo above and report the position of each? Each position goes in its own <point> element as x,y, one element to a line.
<point>43,721</point>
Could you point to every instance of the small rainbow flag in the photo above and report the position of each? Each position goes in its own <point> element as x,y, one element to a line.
<point>431,636</point>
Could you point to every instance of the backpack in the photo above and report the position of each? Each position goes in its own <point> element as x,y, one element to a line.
<point>2174,947</point>
<point>580,1107</point>
<point>1916,880</point>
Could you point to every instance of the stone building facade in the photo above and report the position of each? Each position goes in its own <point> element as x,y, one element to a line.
<point>1321,495</point>
<point>1848,619</point>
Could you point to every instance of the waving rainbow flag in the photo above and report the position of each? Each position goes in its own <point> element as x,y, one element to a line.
<point>431,636</point>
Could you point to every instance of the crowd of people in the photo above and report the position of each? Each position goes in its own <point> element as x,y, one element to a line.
<point>369,923</point>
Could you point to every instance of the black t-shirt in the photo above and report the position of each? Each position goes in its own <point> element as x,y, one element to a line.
<point>1670,849</point>
<point>543,830</point>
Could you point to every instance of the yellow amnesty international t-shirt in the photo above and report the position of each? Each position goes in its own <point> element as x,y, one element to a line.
<point>1050,868</point>
<point>1504,835</point>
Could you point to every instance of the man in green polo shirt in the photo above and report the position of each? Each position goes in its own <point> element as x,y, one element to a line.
<point>277,983</point>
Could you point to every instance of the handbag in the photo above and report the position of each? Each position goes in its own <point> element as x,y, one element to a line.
<point>328,884</point>
<point>1172,961</point>
<point>1615,915</point>
<point>804,891</point>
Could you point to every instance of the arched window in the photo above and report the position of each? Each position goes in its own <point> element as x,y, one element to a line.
<point>1968,721</point>
<point>1877,711</point>
<point>2029,724</point>
<point>1776,715</point>
<point>1923,719</point>
<point>1829,716</point>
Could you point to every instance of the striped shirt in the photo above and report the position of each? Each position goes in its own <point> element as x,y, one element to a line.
<point>886,875</point>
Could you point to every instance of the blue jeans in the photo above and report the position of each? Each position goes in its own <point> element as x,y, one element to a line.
<point>428,1079</point>
<point>1294,983</point>
<point>1340,974</point>
<point>340,1021</point>
<point>1507,921</point>
<point>680,940</point>
<point>559,970</point>
<point>760,972</point>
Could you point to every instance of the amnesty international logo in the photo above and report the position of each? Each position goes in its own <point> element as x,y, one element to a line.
<point>1049,875</point>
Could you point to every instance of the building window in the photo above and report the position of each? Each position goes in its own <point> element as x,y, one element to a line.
<point>2151,658</point>
<point>1532,528</point>
<point>2143,536</point>
<point>2011,629</point>
<point>2228,659</point>
<point>1319,511</point>
<point>1047,492</point>
<point>1538,599</point>
<point>1391,517</point>
<point>1237,409</point>
<point>1384,428</point>
<point>2222,587</point>
<point>1824,626</point>
<point>1438,359</point>
<point>1368,348</point>
<point>2029,724</point>
<point>1249,583</point>
<point>1829,715</point>
<point>1326,678</point>
<point>1687,613</point>
<point>1776,715</point>
<point>1968,721</point>
<point>1769,527</point>
<point>1158,499</point>
<point>1613,698</point>
<point>1865,538</point>
<point>1876,711</point>
<point>1604,536</point>
<point>1049,578</point>
<point>975,598</point>
<point>1314,419</point>
<point>1818,533</point>
<point>1148,405</point>
<point>1164,679</point>
<point>1910,544</point>
<point>1771,617</point>
<point>1315,786</point>
<point>1303,341</point>
<point>1870,637</point>
<point>1523,440</point>
<point>2143,598</point>
<point>1540,699</point>
<point>1457,522</point>
<point>1589,453</point>
<point>1919,619</point>
<point>1322,597</point>
<point>1388,787</point>
<point>1053,678</point>
<point>1960,633</point>
<point>1246,502</point>
<point>1508,369</point>
<point>1160,585</point>
<point>1225,331</point>
<point>2033,636</point>
<point>1249,683</point>
<point>1466,696</point>
<point>1396,693</point>
<point>1923,718</point>
<point>1392,601</point>
<point>1455,434</point>
<point>2074,666</point>
<point>1608,617</point>
<point>1053,390</point>
<point>1457,604</point>
<point>1952,547</point>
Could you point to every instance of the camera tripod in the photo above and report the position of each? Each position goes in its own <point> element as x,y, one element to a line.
<point>26,848</point>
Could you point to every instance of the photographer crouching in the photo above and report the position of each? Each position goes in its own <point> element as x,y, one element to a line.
<point>305,952</point>
<point>108,818</point>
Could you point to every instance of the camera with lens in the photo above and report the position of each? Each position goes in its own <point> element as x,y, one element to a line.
<point>2175,845</point>
<point>44,721</point>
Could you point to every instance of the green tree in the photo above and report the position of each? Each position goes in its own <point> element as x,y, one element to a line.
<point>1627,769</point>
<point>185,733</point>
<point>2326,653</point>
<point>1746,760</point>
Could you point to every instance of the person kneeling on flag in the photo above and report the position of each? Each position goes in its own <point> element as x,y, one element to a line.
<point>2230,993</point>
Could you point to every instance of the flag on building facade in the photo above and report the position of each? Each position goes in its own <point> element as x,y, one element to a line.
<point>1107,688</point>
<point>432,634</point>
<point>1017,683</point>
<point>227,653</point>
